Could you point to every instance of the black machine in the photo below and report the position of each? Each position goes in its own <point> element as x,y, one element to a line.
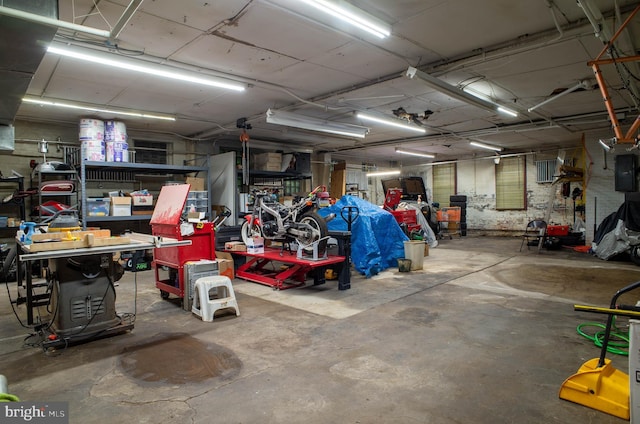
<point>83,298</point>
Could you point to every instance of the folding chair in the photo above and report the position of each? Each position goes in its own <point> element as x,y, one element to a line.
<point>535,230</point>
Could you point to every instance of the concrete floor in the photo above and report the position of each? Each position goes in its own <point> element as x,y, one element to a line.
<point>483,334</point>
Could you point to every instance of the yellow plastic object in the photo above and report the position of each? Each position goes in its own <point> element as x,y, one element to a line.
<point>602,388</point>
<point>330,274</point>
<point>63,229</point>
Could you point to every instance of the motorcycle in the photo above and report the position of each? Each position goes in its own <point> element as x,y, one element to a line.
<point>299,222</point>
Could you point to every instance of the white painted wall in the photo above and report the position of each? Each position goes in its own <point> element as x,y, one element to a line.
<point>602,199</point>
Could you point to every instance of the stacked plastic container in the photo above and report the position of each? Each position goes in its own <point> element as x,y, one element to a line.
<point>92,139</point>
<point>115,137</point>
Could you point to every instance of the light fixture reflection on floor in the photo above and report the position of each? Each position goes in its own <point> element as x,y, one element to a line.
<point>411,153</point>
<point>289,119</point>
<point>390,123</point>
<point>485,146</point>
<point>136,65</point>
<point>353,16</point>
<point>95,108</point>
<point>383,173</point>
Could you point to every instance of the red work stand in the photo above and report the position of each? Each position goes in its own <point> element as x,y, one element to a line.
<point>293,276</point>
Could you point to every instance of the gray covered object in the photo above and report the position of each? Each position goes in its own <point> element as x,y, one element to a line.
<point>615,242</point>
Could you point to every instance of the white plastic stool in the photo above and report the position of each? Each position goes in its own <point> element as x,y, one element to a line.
<point>205,307</point>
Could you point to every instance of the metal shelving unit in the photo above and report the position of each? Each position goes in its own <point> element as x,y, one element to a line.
<point>70,197</point>
<point>124,171</point>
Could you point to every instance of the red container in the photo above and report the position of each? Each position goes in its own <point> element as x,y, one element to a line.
<point>202,244</point>
<point>557,230</point>
<point>405,217</point>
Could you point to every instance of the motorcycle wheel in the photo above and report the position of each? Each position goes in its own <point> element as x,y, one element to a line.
<point>320,231</point>
<point>246,233</point>
<point>634,253</point>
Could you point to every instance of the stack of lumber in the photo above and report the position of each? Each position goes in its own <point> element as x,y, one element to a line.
<point>73,240</point>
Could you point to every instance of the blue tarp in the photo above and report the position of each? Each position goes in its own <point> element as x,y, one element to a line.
<point>377,241</point>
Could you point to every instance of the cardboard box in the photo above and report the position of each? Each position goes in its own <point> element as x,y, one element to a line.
<point>121,206</point>
<point>235,246</point>
<point>268,167</point>
<point>195,217</point>
<point>139,210</point>
<point>141,199</point>
<point>269,157</point>
<point>197,184</point>
<point>225,264</point>
<point>268,162</point>
<point>255,245</point>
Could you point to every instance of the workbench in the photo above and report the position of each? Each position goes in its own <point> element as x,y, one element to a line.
<point>135,242</point>
<point>288,271</point>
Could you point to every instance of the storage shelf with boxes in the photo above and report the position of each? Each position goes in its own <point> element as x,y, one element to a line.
<point>121,206</point>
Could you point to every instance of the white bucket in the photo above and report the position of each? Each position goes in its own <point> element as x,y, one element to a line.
<point>91,129</point>
<point>414,250</point>
<point>115,131</point>
<point>93,150</point>
<point>117,151</point>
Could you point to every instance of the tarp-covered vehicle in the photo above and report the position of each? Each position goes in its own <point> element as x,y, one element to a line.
<point>377,241</point>
<point>620,231</point>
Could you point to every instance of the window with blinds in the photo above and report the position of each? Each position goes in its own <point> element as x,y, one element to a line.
<point>444,183</point>
<point>511,183</point>
<point>545,170</point>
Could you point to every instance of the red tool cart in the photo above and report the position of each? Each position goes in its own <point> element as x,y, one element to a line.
<point>406,218</point>
<point>168,263</point>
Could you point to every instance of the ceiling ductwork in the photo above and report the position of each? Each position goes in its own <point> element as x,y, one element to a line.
<point>20,55</point>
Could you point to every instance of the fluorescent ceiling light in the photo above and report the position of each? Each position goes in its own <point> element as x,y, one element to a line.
<point>458,94</point>
<point>32,17</point>
<point>485,146</point>
<point>357,17</point>
<point>136,65</point>
<point>408,152</point>
<point>382,173</point>
<point>488,99</point>
<point>508,111</point>
<point>91,108</point>
<point>391,123</point>
<point>298,121</point>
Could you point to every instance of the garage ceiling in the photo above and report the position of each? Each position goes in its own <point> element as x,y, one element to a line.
<point>292,57</point>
